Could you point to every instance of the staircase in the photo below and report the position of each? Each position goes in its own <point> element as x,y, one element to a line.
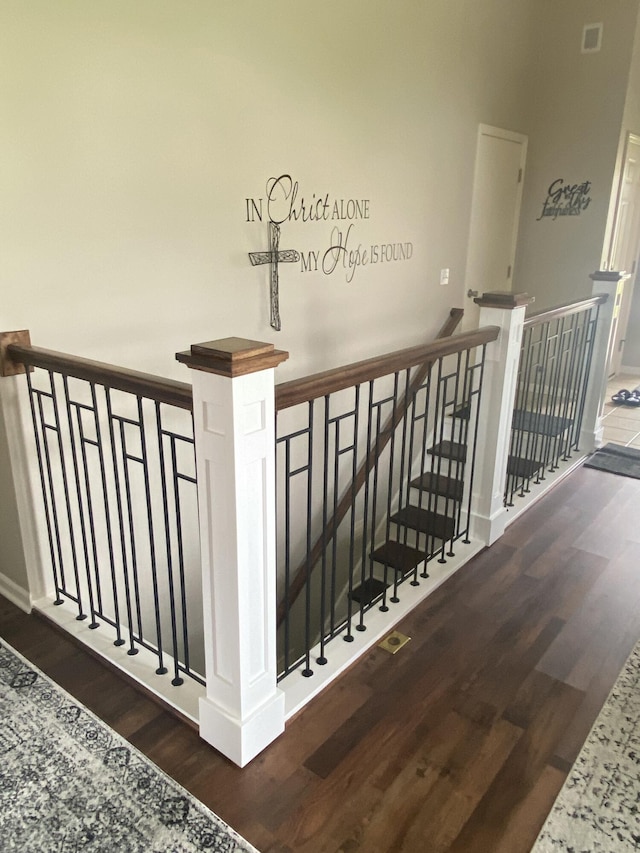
<point>423,526</point>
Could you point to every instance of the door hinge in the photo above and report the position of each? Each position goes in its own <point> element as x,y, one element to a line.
<point>633,267</point>
<point>509,271</point>
<point>519,176</point>
<point>621,344</point>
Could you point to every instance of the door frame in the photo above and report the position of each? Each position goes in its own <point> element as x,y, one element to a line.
<point>487,130</point>
<point>623,309</point>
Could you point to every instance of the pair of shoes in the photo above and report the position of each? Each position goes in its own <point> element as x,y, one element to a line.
<point>627,398</point>
<point>621,396</point>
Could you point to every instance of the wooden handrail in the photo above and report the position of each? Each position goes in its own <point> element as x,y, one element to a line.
<point>156,388</point>
<point>490,333</point>
<point>308,388</point>
<point>564,310</point>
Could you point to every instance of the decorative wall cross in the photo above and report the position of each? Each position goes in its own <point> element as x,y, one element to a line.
<point>274,256</point>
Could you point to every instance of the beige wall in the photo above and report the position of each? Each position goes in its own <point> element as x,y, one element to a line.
<point>132,134</point>
<point>576,108</point>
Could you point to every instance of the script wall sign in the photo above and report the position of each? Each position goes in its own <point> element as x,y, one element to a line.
<point>283,202</point>
<point>564,199</point>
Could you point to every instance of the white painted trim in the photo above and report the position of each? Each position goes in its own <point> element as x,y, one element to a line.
<point>298,690</point>
<point>16,594</point>
<point>628,369</point>
<point>141,667</point>
<point>234,427</point>
<point>501,133</point>
<point>539,490</point>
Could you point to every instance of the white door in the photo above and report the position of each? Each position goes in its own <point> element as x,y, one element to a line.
<point>625,243</point>
<point>495,214</point>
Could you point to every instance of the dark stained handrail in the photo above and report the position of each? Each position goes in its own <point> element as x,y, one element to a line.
<point>333,380</point>
<point>156,388</point>
<point>564,310</point>
<point>298,391</point>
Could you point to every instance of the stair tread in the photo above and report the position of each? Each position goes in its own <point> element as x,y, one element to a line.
<point>540,423</point>
<point>463,412</point>
<point>449,450</point>
<point>425,521</point>
<point>398,556</point>
<point>368,591</point>
<point>517,467</point>
<point>439,484</point>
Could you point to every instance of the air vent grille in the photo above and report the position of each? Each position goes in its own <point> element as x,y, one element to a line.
<point>591,38</point>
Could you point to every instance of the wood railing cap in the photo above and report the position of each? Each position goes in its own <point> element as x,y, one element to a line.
<point>9,367</point>
<point>232,356</point>
<point>503,299</point>
<point>609,275</point>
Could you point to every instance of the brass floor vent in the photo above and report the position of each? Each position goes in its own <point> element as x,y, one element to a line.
<point>394,642</point>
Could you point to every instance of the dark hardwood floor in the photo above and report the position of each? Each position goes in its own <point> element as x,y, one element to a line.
<point>461,741</point>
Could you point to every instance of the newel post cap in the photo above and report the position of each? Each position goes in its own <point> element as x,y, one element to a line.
<point>609,275</point>
<point>9,367</point>
<point>232,356</point>
<point>503,299</point>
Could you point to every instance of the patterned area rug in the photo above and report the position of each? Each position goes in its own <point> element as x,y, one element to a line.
<point>598,808</point>
<point>70,783</point>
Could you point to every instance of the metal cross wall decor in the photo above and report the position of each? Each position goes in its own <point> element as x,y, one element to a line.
<point>274,256</point>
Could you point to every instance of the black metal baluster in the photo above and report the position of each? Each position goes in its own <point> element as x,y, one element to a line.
<point>322,659</point>
<point>426,410</point>
<point>377,406</point>
<point>161,668</point>
<point>56,567</point>
<point>67,499</point>
<point>180,544</point>
<point>563,431</point>
<point>574,390</point>
<point>121,526</point>
<point>287,556</point>
<point>307,671</point>
<point>176,681</point>
<point>592,327</point>
<point>392,451</point>
<point>119,641</point>
<point>366,563</point>
<point>84,442</point>
<point>528,413</point>
<point>478,407</point>
<point>439,416</point>
<point>81,514</point>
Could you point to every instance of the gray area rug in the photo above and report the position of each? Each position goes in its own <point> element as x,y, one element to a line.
<point>70,783</point>
<point>598,808</point>
<point>616,459</point>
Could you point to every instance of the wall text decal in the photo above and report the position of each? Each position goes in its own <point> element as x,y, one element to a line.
<point>283,202</point>
<point>566,199</point>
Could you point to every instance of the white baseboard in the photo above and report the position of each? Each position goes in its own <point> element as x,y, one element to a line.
<point>628,370</point>
<point>16,594</point>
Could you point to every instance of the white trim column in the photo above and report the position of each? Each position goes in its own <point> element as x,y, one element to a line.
<point>234,427</point>
<point>20,552</point>
<point>610,284</point>
<point>506,310</point>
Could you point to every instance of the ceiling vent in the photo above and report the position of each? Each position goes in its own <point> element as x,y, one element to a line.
<point>591,38</point>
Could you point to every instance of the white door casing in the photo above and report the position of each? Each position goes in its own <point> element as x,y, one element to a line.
<point>495,214</point>
<point>625,242</point>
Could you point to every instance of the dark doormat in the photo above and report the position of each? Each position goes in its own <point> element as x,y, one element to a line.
<point>617,460</point>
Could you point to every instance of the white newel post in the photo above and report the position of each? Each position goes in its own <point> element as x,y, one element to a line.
<point>20,552</point>
<point>507,311</point>
<point>234,423</point>
<point>611,284</point>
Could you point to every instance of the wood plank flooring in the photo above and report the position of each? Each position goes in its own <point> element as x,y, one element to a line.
<point>458,743</point>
